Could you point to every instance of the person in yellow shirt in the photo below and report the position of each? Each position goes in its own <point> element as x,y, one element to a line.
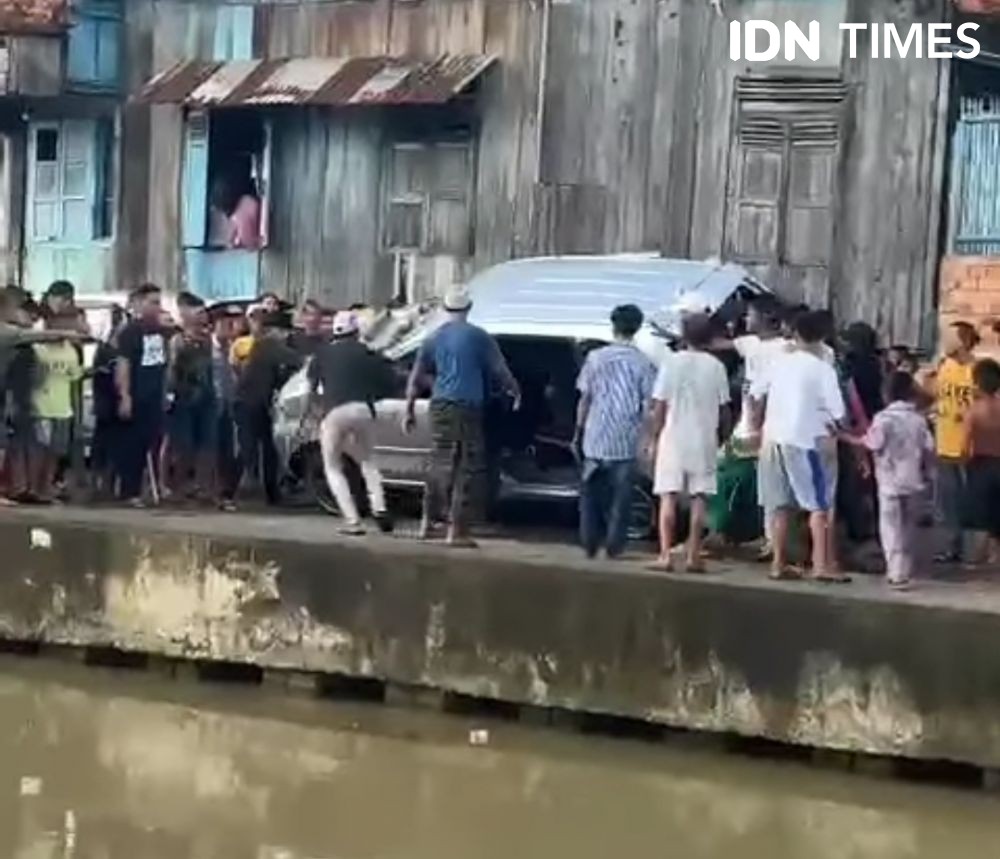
<point>58,368</point>
<point>239,352</point>
<point>951,386</point>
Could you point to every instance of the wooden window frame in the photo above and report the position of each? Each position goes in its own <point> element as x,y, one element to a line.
<point>196,176</point>
<point>99,181</point>
<point>782,115</point>
<point>106,19</point>
<point>428,198</point>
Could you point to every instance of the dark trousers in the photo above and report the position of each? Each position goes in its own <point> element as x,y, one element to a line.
<point>605,505</point>
<point>951,500</point>
<point>458,464</point>
<point>255,443</point>
<point>137,439</point>
<point>226,453</point>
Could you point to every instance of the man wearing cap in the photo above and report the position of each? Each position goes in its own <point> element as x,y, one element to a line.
<point>350,379</point>
<point>461,360</point>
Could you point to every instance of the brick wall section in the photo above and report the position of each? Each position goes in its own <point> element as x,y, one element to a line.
<point>970,292</point>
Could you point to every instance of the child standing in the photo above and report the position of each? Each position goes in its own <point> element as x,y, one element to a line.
<point>903,449</point>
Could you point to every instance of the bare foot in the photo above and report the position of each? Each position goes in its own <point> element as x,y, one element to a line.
<point>662,565</point>
<point>784,574</point>
<point>429,530</point>
<point>461,541</point>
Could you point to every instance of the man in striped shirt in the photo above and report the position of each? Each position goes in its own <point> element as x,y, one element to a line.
<point>616,386</point>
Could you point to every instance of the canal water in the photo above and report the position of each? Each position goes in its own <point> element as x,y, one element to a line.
<point>97,764</point>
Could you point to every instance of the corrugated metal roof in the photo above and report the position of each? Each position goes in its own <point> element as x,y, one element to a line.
<point>34,16</point>
<point>336,81</point>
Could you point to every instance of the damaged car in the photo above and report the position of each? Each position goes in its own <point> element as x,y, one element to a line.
<point>546,315</point>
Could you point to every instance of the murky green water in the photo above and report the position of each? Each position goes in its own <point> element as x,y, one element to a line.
<point>109,764</point>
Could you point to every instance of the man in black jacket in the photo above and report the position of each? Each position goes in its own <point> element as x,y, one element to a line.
<point>350,379</point>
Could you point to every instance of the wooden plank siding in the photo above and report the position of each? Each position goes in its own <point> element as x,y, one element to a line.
<point>606,126</point>
<point>890,185</point>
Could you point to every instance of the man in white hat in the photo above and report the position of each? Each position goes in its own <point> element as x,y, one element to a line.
<point>458,361</point>
<point>350,379</point>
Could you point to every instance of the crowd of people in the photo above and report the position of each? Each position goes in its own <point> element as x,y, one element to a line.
<point>182,404</point>
<point>818,437</point>
<point>836,438</point>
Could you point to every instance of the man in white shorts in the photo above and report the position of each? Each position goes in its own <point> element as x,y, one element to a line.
<point>799,403</point>
<point>691,403</point>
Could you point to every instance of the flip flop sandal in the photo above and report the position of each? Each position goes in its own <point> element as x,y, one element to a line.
<point>786,575</point>
<point>832,578</point>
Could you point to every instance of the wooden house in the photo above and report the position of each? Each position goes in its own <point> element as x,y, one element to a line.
<point>396,146</point>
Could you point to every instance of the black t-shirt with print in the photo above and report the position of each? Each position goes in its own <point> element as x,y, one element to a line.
<point>144,346</point>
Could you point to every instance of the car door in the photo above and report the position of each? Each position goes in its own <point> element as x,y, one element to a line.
<point>403,458</point>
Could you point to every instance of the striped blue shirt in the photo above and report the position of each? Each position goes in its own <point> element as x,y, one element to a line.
<point>619,380</point>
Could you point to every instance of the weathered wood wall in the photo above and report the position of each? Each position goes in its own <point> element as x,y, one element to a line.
<point>606,126</point>
<point>887,242</point>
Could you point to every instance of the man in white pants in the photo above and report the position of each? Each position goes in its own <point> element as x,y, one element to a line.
<point>350,379</point>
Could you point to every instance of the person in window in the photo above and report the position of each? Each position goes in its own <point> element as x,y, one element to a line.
<point>141,383</point>
<point>244,220</point>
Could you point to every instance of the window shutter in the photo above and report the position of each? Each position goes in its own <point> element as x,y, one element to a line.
<point>44,160</point>
<point>78,180</point>
<point>782,182</point>
<point>405,224</point>
<point>194,185</point>
<point>233,33</point>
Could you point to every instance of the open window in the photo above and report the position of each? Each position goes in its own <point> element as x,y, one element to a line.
<point>226,180</point>
<point>70,180</point>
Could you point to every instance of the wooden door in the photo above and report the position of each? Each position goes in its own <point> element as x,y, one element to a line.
<point>781,194</point>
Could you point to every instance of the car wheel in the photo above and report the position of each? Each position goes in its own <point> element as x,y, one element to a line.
<point>642,515</point>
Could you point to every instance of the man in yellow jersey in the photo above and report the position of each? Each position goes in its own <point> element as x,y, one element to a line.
<point>952,388</point>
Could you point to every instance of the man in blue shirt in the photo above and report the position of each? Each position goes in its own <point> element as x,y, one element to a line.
<point>616,387</point>
<point>462,360</point>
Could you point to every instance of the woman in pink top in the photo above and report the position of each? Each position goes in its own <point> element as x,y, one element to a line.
<point>244,223</point>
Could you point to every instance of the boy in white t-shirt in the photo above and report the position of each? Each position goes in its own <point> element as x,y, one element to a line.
<point>691,404</point>
<point>758,349</point>
<point>797,404</point>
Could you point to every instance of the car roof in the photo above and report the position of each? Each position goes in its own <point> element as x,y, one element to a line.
<point>573,296</point>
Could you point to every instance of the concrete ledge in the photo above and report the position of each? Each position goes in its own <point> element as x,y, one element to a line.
<point>849,669</point>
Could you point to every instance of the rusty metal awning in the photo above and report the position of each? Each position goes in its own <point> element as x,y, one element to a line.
<point>315,81</point>
<point>34,17</point>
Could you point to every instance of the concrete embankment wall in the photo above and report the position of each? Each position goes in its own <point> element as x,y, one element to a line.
<point>804,665</point>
